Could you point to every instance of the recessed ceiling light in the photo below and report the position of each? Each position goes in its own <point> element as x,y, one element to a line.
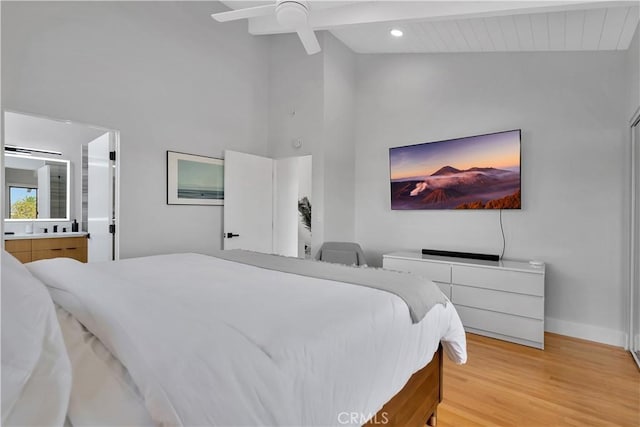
<point>395,32</point>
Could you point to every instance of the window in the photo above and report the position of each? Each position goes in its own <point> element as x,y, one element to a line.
<point>23,202</point>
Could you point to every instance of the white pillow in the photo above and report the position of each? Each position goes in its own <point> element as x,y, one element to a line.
<point>36,373</point>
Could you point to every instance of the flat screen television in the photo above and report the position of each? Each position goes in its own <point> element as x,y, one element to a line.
<point>475,172</point>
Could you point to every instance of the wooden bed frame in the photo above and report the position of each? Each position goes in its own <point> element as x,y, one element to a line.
<point>417,403</point>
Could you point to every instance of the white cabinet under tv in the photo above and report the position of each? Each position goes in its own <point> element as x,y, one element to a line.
<point>500,299</point>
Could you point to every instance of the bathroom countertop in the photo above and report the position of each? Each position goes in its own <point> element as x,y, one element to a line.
<point>19,236</point>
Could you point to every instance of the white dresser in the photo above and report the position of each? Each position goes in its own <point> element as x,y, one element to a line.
<point>500,299</point>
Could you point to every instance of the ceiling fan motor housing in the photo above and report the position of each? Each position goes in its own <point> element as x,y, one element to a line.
<point>292,13</point>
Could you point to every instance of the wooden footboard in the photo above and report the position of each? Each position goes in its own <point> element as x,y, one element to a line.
<point>416,404</point>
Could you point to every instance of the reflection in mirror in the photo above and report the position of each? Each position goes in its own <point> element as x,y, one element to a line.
<point>36,188</point>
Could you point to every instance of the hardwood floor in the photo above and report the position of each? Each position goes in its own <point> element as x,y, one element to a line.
<point>571,383</point>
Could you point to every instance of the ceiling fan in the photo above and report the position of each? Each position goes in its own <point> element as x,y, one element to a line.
<point>290,14</point>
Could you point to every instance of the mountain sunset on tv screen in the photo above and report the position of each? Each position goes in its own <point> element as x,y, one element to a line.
<point>476,172</point>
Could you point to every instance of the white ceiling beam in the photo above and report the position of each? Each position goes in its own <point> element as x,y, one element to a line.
<point>508,26</point>
<point>540,30</point>
<point>367,12</point>
<point>612,28</point>
<point>574,30</point>
<point>557,30</point>
<point>629,28</point>
<point>593,26</point>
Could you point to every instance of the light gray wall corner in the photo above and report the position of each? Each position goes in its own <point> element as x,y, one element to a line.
<point>339,143</point>
<point>312,98</point>
<point>296,102</point>
<point>633,79</point>
<point>571,107</point>
<point>169,78</point>
<point>633,89</point>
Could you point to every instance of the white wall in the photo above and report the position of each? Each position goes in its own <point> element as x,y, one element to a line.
<point>163,73</point>
<point>572,111</point>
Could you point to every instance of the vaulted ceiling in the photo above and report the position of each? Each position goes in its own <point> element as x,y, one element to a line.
<point>463,26</point>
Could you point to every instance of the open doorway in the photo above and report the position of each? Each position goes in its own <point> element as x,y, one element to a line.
<point>74,181</point>
<point>267,206</point>
<point>292,203</point>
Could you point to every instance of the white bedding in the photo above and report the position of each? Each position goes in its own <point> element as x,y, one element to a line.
<point>213,342</point>
<point>103,393</point>
<point>36,374</point>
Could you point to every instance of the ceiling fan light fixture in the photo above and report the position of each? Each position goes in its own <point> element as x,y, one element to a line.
<point>396,32</point>
<point>292,14</point>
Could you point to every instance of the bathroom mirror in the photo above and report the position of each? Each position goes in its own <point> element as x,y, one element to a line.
<point>36,188</point>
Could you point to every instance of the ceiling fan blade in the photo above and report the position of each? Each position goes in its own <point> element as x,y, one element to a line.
<point>309,40</point>
<point>250,12</point>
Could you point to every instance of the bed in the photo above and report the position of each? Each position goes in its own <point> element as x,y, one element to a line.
<point>188,339</point>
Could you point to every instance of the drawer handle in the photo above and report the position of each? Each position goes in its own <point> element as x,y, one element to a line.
<point>72,248</point>
<point>56,249</point>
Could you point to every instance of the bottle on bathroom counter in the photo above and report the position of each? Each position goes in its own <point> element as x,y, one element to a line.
<point>74,226</point>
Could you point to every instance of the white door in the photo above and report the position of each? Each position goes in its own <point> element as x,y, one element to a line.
<point>99,200</point>
<point>248,202</point>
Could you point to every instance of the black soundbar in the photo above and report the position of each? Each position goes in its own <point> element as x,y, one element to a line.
<point>468,255</point>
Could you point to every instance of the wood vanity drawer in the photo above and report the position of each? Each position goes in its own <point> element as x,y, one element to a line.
<point>27,250</point>
<point>22,245</point>
<point>22,256</point>
<point>47,254</point>
<point>59,243</point>
<point>76,253</point>
<point>21,249</point>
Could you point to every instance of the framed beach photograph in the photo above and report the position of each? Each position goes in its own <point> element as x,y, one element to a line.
<point>194,180</point>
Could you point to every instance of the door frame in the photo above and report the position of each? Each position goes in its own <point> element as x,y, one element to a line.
<point>113,133</point>
<point>634,265</point>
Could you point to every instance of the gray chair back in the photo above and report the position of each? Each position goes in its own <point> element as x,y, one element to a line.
<point>341,253</point>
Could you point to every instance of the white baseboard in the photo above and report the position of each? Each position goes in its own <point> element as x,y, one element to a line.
<point>586,332</point>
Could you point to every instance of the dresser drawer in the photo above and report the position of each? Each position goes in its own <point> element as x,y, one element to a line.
<point>436,271</point>
<point>505,324</point>
<point>20,245</point>
<point>504,302</point>
<point>445,288</point>
<point>59,243</point>
<point>502,280</point>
